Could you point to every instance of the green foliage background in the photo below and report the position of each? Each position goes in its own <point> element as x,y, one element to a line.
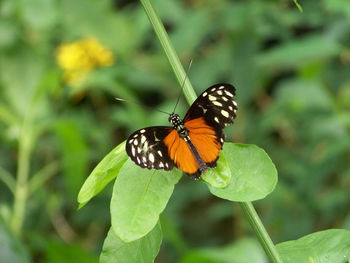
<point>291,71</point>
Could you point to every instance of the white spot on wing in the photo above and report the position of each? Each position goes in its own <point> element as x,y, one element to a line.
<point>211,98</point>
<point>222,87</point>
<point>151,157</point>
<point>161,165</point>
<point>230,107</point>
<point>205,94</point>
<point>142,131</point>
<point>213,89</point>
<point>225,99</point>
<point>160,153</point>
<point>225,113</point>
<point>144,159</point>
<point>133,150</point>
<point>217,103</point>
<point>216,119</point>
<point>234,103</point>
<point>219,92</point>
<point>145,146</point>
<point>135,142</point>
<point>228,93</point>
<point>143,139</point>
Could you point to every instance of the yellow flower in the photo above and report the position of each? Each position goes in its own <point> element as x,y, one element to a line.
<point>80,57</point>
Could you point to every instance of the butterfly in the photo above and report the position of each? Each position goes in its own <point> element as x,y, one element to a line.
<point>192,144</point>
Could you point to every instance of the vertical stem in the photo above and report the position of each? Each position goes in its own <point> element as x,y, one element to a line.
<point>169,51</point>
<point>260,231</point>
<point>21,188</point>
<point>190,95</point>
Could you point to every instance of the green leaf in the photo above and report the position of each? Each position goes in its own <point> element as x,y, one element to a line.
<point>254,175</point>
<point>103,173</point>
<point>331,245</point>
<point>139,196</point>
<point>242,251</point>
<point>11,249</point>
<point>142,250</point>
<point>219,177</point>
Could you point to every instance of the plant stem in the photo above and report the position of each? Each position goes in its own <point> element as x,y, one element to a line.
<point>21,189</point>
<point>260,231</point>
<point>190,95</point>
<point>169,51</point>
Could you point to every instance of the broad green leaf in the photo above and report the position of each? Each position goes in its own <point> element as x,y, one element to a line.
<point>242,251</point>
<point>11,249</point>
<point>220,176</point>
<point>253,175</point>
<point>143,250</point>
<point>139,196</point>
<point>103,173</point>
<point>327,246</point>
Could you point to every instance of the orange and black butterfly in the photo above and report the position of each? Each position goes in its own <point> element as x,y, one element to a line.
<point>192,144</point>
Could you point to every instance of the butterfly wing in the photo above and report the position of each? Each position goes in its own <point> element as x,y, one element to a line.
<point>146,148</point>
<point>209,114</point>
<point>215,105</point>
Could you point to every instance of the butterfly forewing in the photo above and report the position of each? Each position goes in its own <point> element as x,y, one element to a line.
<point>147,149</point>
<point>215,105</point>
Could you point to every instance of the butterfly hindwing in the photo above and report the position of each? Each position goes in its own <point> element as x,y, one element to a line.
<point>215,105</point>
<point>147,149</point>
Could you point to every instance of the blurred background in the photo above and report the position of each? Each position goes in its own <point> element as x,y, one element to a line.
<point>63,62</point>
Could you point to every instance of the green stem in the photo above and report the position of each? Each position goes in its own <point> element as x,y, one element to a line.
<point>169,51</point>
<point>298,5</point>
<point>21,189</point>
<point>190,95</point>
<point>261,232</point>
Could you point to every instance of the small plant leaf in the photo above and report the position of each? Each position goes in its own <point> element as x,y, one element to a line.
<point>219,177</point>
<point>139,196</point>
<point>331,245</point>
<point>253,175</point>
<point>103,173</point>
<point>143,250</point>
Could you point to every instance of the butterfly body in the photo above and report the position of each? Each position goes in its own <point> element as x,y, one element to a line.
<point>192,144</point>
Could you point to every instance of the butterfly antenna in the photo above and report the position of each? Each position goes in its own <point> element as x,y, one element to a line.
<point>134,102</point>
<point>183,84</point>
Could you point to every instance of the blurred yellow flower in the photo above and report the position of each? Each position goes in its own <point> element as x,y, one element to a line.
<point>77,59</point>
